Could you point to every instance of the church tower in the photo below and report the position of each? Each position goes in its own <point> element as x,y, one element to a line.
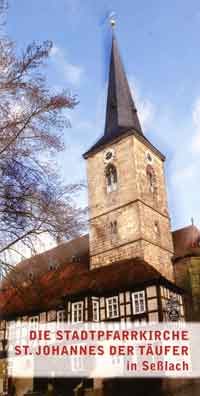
<point>127,192</point>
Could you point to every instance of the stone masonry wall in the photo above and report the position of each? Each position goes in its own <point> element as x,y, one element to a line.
<point>140,214</point>
<point>128,229</point>
<point>159,258</point>
<point>99,200</point>
<point>158,200</point>
<point>155,227</point>
<point>121,253</point>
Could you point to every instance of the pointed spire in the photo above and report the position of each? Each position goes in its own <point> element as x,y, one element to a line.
<point>121,113</point>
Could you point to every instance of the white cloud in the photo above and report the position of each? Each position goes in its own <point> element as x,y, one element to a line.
<point>184,169</point>
<point>146,109</point>
<point>179,138</point>
<point>184,190</point>
<point>184,149</point>
<point>164,129</point>
<point>196,121</point>
<point>71,73</point>
<point>70,8</point>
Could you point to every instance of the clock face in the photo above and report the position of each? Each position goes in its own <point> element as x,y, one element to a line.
<point>148,157</point>
<point>109,155</point>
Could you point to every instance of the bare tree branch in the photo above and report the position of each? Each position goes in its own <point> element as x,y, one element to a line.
<point>33,199</point>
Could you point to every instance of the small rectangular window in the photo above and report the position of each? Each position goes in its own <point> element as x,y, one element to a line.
<point>34,319</point>
<point>61,317</point>
<point>112,306</point>
<point>111,178</point>
<point>95,310</point>
<point>77,312</point>
<point>139,305</point>
<point>34,322</point>
<point>113,228</point>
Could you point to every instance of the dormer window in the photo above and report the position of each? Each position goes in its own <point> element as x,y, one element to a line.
<point>111,178</point>
<point>75,259</point>
<point>53,264</point>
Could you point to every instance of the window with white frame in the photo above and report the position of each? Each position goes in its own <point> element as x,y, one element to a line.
<point>139,305</point>
<point>95,310</point>
<point>112,305</point>
<point>34,319</point>
<point>77,312</point>
<point>10,367</point>
<point>34,322</point>
<point>61,316</point>
<point>11,330</point>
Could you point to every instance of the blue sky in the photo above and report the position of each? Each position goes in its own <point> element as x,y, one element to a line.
<point>159,45</point>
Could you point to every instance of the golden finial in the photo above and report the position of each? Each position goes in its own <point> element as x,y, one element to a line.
<point>112,19</point>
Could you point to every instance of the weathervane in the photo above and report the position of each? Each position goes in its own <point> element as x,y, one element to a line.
<point>112,19</point>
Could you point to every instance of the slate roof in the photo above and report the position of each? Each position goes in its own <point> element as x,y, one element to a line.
<point>115,136</point>
<point>121,113</point>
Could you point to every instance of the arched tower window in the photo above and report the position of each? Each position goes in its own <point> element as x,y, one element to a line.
<point>157,228</point>
<point>113,228</point>
<point>111,178</point>
<point>151,179</point>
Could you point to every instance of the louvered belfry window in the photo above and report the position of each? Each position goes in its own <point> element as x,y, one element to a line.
<point>151,179</point>
<point>111,178</point>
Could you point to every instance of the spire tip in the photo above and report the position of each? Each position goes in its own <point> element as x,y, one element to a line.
<point>112,20</point>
